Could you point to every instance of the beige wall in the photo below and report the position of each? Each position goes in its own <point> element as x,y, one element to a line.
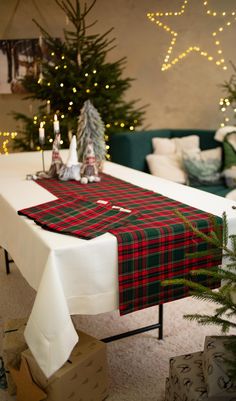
<point>185,96</point>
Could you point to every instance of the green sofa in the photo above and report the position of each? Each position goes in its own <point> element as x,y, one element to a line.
<point>131,149</point>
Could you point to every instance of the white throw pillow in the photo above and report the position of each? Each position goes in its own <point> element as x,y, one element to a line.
<point>197,153</point>
<point>221,132</point>
<point>170,146</point>
<point>187,142</point>
<point>163,146</point>
<point>167,166</point>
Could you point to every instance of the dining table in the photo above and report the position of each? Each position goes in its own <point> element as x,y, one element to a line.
<point>72,275</point>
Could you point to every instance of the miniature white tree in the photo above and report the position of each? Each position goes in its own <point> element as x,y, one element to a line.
<point>91,129</point>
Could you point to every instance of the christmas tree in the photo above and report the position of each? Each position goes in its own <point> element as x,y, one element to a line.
<point>73,70</point>
<point>225,297</point>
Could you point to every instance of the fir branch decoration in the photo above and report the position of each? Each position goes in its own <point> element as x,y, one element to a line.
<point>224,298</point>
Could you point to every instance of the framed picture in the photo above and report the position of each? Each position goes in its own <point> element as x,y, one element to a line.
<point>18,58</point>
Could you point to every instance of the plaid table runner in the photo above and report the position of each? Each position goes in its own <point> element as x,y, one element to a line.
<point>79,217</point>
<point>153,243</point>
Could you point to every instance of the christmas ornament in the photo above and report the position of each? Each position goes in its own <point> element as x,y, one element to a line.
<point>199,46</point>
<point>89,169</point>
<point>71,170</point>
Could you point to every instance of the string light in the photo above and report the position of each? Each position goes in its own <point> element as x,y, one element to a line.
<point>168,62</point>
<point>6,138</point>
<point>228,109</point>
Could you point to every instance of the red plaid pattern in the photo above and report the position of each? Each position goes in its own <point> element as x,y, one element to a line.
<point>152,247</point>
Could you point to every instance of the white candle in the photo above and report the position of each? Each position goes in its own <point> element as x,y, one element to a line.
<point>41,134</point>
<point>56,125</point>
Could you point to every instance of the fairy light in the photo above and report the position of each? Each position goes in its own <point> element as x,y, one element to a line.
<point>6,138</point>
<point>228,109</point>
<point>170,62</point>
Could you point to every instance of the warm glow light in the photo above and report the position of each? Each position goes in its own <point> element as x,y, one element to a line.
<point>168,62</point>
<point>6,142</point>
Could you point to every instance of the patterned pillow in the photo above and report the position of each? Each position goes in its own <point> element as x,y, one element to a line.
<point>203,167</point>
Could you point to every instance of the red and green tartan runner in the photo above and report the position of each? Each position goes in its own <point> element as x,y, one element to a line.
<point>153,242</point>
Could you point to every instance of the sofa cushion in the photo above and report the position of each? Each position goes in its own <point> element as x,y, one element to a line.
<point>163,146</point>
<point>169,146</point>
<point>223,131</point>
<point>203,167</point>
<point>167,166</point>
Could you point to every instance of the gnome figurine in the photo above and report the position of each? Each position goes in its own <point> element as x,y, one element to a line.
<point>71,170</point>
<point>89,170</point>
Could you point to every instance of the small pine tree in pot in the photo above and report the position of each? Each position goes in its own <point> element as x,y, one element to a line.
<point>224,315</point>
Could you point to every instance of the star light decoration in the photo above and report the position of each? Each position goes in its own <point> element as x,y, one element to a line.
<point>228,19</point>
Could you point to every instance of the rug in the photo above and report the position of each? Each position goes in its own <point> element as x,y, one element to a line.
<point>138,365</point>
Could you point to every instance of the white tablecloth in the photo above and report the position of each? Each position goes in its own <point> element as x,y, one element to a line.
<point>70,275</point>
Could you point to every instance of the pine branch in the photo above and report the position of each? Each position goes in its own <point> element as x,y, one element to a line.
<point>211,320</point>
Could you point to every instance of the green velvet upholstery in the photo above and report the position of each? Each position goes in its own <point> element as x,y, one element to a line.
<point>131,148</point>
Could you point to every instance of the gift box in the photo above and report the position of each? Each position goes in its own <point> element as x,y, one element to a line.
<point>83,377</point>
<point>215,368</point>
<point>186,379</point>
<point>13,344</point>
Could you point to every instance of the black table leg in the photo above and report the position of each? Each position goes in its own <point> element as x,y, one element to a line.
<point>7,261</point>
<point>158,325</point>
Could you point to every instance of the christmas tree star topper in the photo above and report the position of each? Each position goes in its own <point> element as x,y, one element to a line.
<point>215,56</point>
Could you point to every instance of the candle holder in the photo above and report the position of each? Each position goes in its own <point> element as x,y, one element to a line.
<point>42,143</point>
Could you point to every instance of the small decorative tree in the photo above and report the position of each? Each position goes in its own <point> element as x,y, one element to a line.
<point>225,297</point>
<point>91,129</point>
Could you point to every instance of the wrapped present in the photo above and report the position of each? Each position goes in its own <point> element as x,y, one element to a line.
<point>13,344</point>
<point>82,377</point>
<point>215,368</point>
<point>186,379</point>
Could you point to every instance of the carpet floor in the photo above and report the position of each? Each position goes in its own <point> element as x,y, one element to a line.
<point>138,365</point>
